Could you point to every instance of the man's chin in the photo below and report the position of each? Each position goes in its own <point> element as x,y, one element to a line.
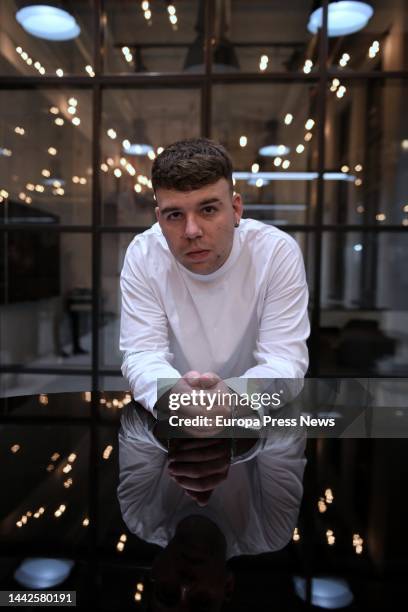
<point>199,267</point>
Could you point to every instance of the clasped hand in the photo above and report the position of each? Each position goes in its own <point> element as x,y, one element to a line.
<point>200,465</point>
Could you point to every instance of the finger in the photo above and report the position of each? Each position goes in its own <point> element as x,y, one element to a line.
<point>209,379</point>
<point>200,484</point>
<point>192,378</point>
<point>201,469</point>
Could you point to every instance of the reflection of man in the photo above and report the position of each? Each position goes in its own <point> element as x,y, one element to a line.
<point>253,508</point>
<point>204,291</point>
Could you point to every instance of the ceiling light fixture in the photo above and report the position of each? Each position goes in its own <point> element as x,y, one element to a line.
<point>293,176</point>
<point>48,22</point>
<point>42,573</point>
<point>326,592</point>
<point>344,17</point>
<point>273,150</point>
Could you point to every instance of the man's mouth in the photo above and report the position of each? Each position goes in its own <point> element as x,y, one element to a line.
<point>198,254</point>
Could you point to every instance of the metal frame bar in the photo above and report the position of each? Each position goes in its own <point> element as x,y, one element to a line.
<point>136,229</point>
<point>321,123</point>
<point>154,79</point>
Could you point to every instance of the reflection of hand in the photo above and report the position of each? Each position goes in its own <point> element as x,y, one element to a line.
<point>212,385</point>
<point>199,466</point>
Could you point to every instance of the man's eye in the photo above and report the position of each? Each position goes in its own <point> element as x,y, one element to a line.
<point>173,216</point>
<point>209,210</point>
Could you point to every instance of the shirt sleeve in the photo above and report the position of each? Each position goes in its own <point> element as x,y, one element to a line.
<point>281,350</point>
<point>280,470</point>
<point>144,338</point>
<point>141,462</point>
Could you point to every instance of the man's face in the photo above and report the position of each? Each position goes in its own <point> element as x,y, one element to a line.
<point>190,574</point>
<point>199,225</point>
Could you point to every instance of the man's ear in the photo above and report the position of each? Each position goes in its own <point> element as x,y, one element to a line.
<point>157,211</point>
<point>238,206</point>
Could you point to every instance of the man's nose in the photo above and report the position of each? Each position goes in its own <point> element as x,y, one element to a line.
<point>192,229</point>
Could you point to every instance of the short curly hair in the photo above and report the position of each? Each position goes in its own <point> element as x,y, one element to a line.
<point>191,164</point>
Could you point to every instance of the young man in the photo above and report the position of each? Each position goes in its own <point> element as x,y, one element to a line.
<point>205,295</point>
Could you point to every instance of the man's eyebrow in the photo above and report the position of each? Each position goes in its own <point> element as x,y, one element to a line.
<point>170,209</point>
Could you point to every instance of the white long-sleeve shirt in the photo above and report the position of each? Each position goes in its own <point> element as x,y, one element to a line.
<point>256,508</point>
<point>247,319</point>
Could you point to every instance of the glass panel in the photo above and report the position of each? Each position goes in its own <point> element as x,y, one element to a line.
<point>114,381</point>
<point>111,403</point>
<point>364,304</point>
<point>45,298</point>
<point>378,41</point>
<point>271,134</point>
<point>41,487</point>
<point>153,37</point>
<point>305,240</point>
<point>267,36</point>
<point>367,141</point>
<point>114,247</point>
<point>16,384</point>
<point>39,42</point>
<point>59,402</point>
<point>135,124</point>
<point>45,156</point>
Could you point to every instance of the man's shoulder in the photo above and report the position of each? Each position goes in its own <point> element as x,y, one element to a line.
<point>148,254</point>
<point>149,241</point>
<point>258,235</point>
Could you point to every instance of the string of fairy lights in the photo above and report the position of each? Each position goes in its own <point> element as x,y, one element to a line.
<point>146,8</point>
<point>120,165</point>
<point>343,61</point>
<point>37,65</point>
<point>64,462</point>
<point>323,503</point>
<point>64,465</point>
